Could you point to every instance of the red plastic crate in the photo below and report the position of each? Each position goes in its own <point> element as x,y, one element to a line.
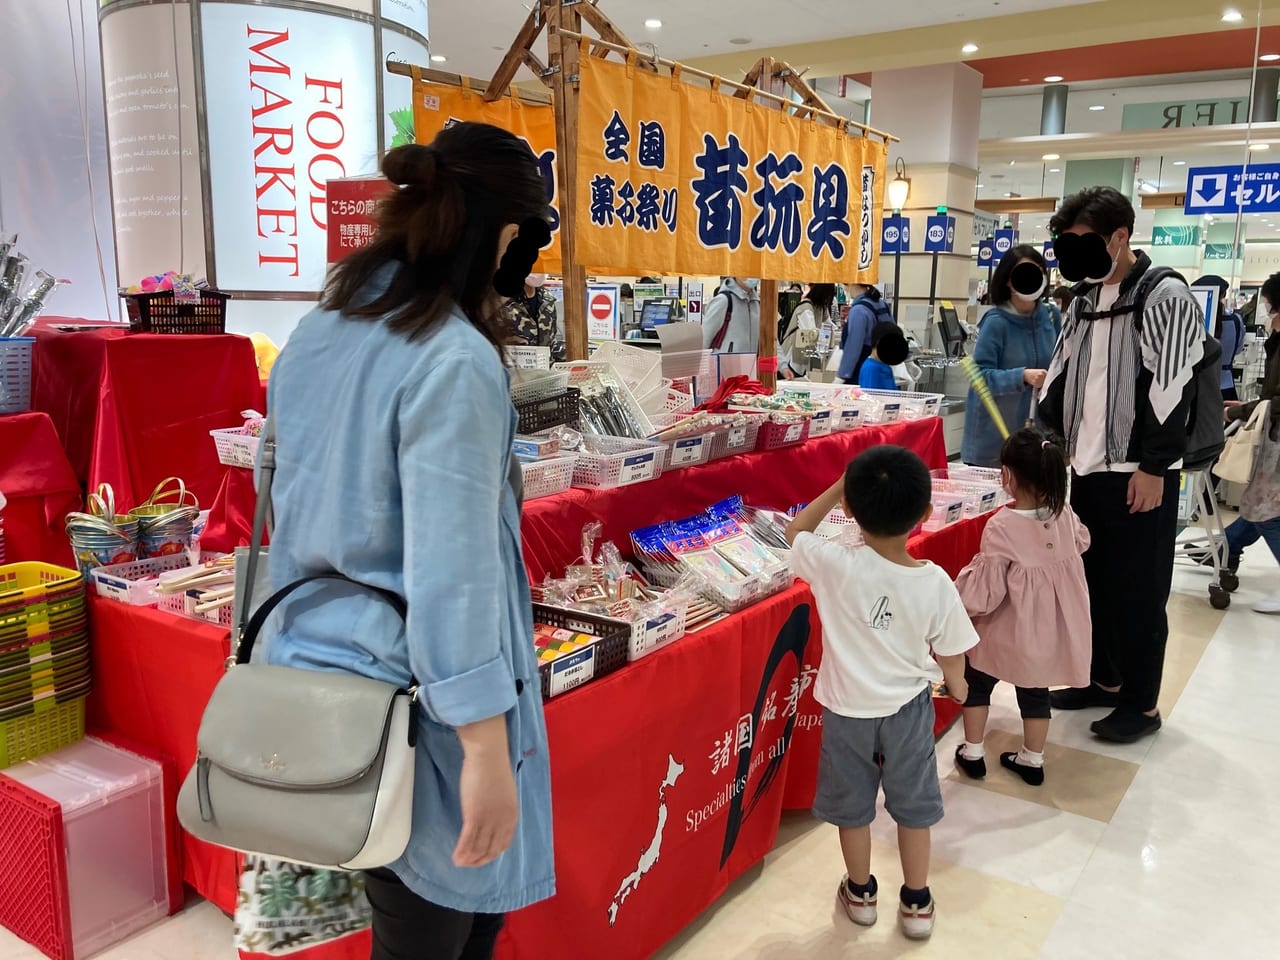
<point>34,902</point>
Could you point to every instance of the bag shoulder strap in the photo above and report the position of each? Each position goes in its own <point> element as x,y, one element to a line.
<point>1150,280</point>
<point>718,340</point>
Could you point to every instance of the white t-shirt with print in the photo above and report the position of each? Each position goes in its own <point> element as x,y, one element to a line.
<point>880,623</point>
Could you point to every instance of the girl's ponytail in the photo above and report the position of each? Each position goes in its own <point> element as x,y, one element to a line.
<point>1039,464</point>
<point>1052,482</point>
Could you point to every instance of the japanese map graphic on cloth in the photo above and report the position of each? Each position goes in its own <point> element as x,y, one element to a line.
<point>284,908</point>
<point>649,857</point>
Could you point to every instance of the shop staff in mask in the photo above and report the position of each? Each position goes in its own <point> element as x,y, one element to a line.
<point>731,320</point>
<point>1120,389</point>
<point>1015,343</point>
<point>531,319</point>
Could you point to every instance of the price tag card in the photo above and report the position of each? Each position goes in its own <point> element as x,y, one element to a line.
<point>892,412</point>
<point>638,468</point>
<point>737,438</point>
<point>793,432</point>
<point>572,671</point>
<point>690,450</point>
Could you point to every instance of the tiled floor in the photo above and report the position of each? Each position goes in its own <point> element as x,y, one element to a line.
<point>1164,849</point>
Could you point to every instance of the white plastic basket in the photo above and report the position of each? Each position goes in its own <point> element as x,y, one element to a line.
<point>530,358</point>
<point>912,406</point>
<point>640,369</point>
<point>546,478</point>
<point>650,635</point>
<point>237,447</point>
<point>690,451</point>
<point>583,372</point>
<point>541,388</point>
<point>687,364</point>
<point>622,463</point>
<point>183,605</point>
<point>948,508</point>
<point>666,405</point>
<point>127,583</point>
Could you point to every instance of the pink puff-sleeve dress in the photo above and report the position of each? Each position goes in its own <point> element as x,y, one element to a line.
<point>1027,596</point>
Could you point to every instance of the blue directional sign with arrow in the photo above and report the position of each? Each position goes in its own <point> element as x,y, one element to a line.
<point>1233,189</point>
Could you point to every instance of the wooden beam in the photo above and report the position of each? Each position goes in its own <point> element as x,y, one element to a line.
<point>808,94</point>
<point>563,52</point>
<point>514,57</point>
<point>537,66</point>
<point>609,32</point>
<point>1163,201</point>
<point>1019,205</point>
<point>767,350</point>
<point>459,80</point>
<point>750,79</point>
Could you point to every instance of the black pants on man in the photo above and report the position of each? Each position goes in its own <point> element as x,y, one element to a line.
<point>406,927</point>
<point>1129,567</point>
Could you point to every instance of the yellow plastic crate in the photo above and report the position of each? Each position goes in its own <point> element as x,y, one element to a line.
<point>39,595</point>
<point>50,727</point>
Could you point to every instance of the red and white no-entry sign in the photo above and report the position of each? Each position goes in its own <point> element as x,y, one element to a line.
<point>602,311</point>
<point>601,306</point>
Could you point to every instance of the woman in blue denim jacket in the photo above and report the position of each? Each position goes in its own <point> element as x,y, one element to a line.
<point>1015,343</point>
<point>394,428</point>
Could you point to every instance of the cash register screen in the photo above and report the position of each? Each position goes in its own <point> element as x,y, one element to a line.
<point>655,312</point>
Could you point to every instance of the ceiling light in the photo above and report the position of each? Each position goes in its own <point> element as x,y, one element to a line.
<point>1146,186</point>
<point>969,48</point>
<point>740,41</point>
<point>1179,163</point>
<point>1055,169</point>
<point>1269,57</point>
<point>437,58</point>
<point>1259,146</point>
<point>980,186</point>
<point>1096,107</point>
<point>1050,156</point>
<point>653,24</point>
<point>1231,15</point>
<point>1012,162</point>
<point>1052,79</point>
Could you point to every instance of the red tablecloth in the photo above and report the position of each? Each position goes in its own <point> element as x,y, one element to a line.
<point>552,526</point>
<point>133,409</point>
<point>41,488</point>
<point>612,745</point>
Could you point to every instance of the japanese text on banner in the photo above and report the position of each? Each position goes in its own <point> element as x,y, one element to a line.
<point>680,179</point>
<point>436,106</point>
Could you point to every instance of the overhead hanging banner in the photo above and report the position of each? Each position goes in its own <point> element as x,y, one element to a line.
<point>437,105</point>
<point>679,179</point>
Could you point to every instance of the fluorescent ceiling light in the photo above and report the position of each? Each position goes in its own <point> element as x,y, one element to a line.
<point>1050,156</point>
<point>653,24</point>
<point>1259,146</point>
<point>969,48</point>
<point>1097,106</point>
<point>437,58</point>
<point>1179,163</point>
<point>1055,169</point>
<point>1147,187</point>
<point>1231,15</point>
<point>1052,79</point>
<point>1269,57</point>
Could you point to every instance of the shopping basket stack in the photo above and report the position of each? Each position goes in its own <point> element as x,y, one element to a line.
<point>44,660</point>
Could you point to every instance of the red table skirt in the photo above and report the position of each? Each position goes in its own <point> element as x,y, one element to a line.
<point>746,682</point>
<point>133,409</point>
<point>40,487</point>
<point>552,526</point>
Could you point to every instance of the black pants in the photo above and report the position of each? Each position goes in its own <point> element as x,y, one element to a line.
<point>406,927</point>
<point>1033,702</point>
<point>1129,567</point>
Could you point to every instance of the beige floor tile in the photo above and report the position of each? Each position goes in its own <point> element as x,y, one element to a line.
<point>1192,624</point>
<point>1076,781</point>
<point>753,922</point>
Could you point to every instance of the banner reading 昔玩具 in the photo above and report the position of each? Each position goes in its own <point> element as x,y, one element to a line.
<point>679,179</point>
<point>436,105</point>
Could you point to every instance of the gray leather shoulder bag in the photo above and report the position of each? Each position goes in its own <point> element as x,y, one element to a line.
<point>301,765</point>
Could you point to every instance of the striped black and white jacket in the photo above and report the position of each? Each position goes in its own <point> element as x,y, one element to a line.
<point>1150,372</point>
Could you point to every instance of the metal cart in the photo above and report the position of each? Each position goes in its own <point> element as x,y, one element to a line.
<point>1198,512</point>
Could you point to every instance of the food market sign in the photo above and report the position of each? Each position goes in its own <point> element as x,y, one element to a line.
<point>684,180</point>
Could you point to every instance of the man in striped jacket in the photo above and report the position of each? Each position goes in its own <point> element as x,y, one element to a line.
<point>1119,390</point>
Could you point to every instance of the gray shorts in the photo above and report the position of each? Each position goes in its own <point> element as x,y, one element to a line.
<point>850,772</point>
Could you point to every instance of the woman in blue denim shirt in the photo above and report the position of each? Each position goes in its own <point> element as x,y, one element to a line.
<point>394,427</point>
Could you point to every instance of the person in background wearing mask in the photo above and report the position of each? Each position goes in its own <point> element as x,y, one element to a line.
<point>1260,504</point>
<point>731,320</point>
<point>800,334</point>
<point>1120,390</point>
<point>1228,330</point>
<point>531,319</point>
<point>867,311</point>
<point>1015,343</point>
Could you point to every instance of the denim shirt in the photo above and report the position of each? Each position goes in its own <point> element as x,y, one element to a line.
<point>392,469</point>
<point>1008,345</point>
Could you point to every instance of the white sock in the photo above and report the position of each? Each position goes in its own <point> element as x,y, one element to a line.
<point>1029,759</point>
<point>973,751</point>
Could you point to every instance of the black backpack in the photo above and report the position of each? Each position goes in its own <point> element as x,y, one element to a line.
<point>1205,428</point>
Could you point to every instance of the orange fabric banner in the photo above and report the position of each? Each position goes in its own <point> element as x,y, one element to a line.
<point>436,105</point>
<point>679,179</point>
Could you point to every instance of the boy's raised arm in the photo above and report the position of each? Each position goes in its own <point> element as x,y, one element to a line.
<point>808,519</point>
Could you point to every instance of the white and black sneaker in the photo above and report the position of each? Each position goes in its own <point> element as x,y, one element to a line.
<point>861,908</point>
<point>917,920</point>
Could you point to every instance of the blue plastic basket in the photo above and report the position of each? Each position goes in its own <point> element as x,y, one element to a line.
<point>15,374</point>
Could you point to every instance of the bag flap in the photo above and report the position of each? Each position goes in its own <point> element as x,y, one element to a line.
<point>295,728</point>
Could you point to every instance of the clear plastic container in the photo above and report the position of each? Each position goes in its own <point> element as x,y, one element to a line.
<point>114,839</point>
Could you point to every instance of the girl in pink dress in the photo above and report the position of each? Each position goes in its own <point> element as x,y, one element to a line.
<point>1027,596</point>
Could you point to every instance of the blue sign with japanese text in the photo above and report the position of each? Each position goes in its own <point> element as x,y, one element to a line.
<point>1050,258</point>
<point>1005,241</point>
<point>940,235</point>
<point>986,253</point>
<point>896,237</point>
<point>1233,189</point>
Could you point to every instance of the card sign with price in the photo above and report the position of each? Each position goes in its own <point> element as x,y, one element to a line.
<point>572,671</point>
<point>940,235</point>
<point>352,204</point>
<point>688,451</point>
<point>737,438</point>
<point>638,468</point>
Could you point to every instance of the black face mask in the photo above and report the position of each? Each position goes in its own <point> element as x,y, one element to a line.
<point>1084,257</point>
<point>1028,280</point>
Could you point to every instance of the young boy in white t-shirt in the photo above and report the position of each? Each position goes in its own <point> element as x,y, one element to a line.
<point>892,626</point>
